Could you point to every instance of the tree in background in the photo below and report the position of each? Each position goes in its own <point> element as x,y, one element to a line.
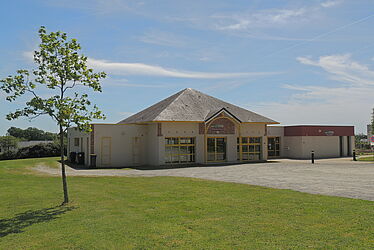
<point>372,122</point>
<point>32,134</point>
<point>8,142</point>
<point>64,73</point>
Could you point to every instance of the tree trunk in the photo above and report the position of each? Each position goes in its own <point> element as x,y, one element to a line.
<point>63,174</point>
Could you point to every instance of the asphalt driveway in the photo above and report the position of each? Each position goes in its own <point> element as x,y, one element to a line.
<point>336,177</point>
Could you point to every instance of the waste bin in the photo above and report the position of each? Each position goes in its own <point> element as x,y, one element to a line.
<point>81,158</point>
<point>93,160</point>
<point>73,157</point>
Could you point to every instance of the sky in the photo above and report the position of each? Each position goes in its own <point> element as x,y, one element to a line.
<point>297,62</point>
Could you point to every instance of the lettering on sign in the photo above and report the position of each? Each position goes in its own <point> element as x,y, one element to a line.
<point>329,133</point>
<point>217,127</point>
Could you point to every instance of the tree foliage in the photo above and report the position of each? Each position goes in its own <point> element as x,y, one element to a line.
<point>8,142</point>
<point>372,122</point>
<point>60,68</point>
<point>32,134</point>
<point>63,73</point>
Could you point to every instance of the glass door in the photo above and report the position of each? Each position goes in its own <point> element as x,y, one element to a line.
<point>273,146</point>
<point>216,149</point>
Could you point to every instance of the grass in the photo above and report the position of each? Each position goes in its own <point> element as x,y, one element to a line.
<point>366,158</point>
<point>171,212</point>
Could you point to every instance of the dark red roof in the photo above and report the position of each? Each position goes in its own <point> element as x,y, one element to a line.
<point>310,130</point>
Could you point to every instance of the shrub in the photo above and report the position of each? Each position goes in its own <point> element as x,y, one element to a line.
<point>8,155</point>
<point>35,151</point>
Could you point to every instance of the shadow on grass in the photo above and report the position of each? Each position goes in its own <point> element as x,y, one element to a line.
<point>20,221</point>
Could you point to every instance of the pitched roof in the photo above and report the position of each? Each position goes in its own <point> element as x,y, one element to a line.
<point>192,105</point>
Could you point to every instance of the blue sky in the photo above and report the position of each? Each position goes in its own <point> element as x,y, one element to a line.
<point>298,62</point>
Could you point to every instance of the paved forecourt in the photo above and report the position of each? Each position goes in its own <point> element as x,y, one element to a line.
<point>336,177</point>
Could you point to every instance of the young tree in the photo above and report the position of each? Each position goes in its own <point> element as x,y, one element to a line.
<point>64,73</point>
<point>8,142</point>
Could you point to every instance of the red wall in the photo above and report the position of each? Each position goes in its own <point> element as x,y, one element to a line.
<point>319,131</point>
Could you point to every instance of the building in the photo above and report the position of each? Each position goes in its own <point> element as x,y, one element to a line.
<point>299,141</point>
<point>191,127</point>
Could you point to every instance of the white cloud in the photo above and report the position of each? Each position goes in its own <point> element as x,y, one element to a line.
<point>330,3</point>
<point>349,101</point>
<point>262,18</point>
<point>141,69</point>
<point>119,68</point>
<point>126,83</point>
<point>342,68</point>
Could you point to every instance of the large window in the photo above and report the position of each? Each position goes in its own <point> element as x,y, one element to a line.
<point>251,148</point>
<point>179,150</point>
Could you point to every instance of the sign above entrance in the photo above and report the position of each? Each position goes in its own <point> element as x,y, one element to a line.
<point>221,126</point>
<point>217,128</point>
<point>329,133</point>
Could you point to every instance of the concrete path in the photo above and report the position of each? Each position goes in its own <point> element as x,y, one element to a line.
<point>336,177</point>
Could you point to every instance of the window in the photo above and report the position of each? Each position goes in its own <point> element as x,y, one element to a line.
<point>179,149</point>
<point>76,142</point>
<point>250,148</point>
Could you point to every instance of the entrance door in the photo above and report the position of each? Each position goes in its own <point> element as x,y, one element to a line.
<point>273,146</point>
<point>216,149</point>
<point>106,149</point>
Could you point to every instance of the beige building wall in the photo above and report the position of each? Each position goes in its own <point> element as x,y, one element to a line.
<point>126,145</point>
<point>323,146</point>
<point>120,145</point>
<point>83,142</point>
<point>114,145</point>
<point>151,156</point>
<point>300,147</point>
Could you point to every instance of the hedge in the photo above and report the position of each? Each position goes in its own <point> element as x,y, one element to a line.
<point>35,151</point>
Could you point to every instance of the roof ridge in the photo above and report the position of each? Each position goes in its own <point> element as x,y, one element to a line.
<point>172,98</point>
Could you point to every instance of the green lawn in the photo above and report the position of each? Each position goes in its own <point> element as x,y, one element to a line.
<point>366,158</point>
<point>168,212</point>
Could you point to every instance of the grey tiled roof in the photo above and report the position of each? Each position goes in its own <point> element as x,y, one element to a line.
<point>192,105</point>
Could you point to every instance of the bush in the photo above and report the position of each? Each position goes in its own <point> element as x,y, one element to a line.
<point>35,151</point>
<point>9,155</point>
